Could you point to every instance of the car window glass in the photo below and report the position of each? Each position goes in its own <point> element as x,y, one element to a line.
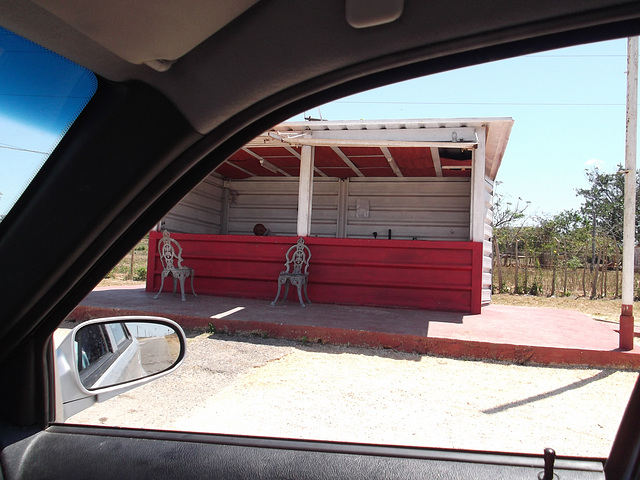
<point>254,385</point>
<point>93,344</point>
<point>41,95</point>
<point>118,332</point>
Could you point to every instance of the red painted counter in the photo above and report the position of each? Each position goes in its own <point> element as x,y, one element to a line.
<point>403,273</point>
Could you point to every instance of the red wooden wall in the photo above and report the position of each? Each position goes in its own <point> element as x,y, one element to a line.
<point>403,273</point>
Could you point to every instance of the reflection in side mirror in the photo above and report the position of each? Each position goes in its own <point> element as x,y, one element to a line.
<point>103,358</point>
<point>108,354</point>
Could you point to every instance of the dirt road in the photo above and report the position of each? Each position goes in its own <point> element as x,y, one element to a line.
<point>279,388</point>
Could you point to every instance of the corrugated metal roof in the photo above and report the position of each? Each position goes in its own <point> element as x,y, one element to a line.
<point>378,148</point>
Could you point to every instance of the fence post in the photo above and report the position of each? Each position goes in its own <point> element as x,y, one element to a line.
<point>554,259</point>
<point>498,263</point>
<point>566,267</point>
<point>617,271</point>
<point>584,273</point>
<point>594,283</point>
<point>515,289</point>
<point>603,272</point>
<point>526,268</point>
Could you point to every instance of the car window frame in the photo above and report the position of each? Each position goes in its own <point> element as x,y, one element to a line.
<point>223,140</point>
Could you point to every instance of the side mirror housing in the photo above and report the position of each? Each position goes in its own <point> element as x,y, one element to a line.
<point>102,358</point>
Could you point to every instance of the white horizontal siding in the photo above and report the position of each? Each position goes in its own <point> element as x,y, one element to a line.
<point>199,211</point>
<point>487,245</point>
<point>433,209</point>
<point>424,209</point>
<point>274,203</point>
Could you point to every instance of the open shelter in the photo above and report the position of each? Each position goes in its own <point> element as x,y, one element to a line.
<point>395,212</point>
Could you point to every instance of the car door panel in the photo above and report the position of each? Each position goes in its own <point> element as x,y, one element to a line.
<point>105,453</point>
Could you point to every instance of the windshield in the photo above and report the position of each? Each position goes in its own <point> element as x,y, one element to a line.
<point>41,95</point>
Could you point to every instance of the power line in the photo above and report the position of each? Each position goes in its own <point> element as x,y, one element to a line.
<point>591,55</point>
<point>19,149</point>
<point>35,95</point>
<point>509,104</point>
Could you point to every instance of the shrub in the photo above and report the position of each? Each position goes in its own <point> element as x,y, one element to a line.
<point>140,274</point>
<point>535,289</point>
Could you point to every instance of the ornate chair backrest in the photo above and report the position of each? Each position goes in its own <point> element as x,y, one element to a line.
<point>170,252</point>
<point>297,259</point>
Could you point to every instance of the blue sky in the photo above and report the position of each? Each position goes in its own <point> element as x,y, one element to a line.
<point>39,99</point>
<point>568,106</point>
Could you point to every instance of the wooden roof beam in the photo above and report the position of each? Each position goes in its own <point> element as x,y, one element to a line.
<point>330,142</point>
<point>230,163</point>
<point>435,156</point>
<point>293,152</point>
<point>266,163</point>
<point>346,160</point>
<point>392,162</point>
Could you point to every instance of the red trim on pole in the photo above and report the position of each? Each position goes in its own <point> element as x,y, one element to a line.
<point>626,328</point>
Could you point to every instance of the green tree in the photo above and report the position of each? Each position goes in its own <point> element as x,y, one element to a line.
<point>603,203</point>
<point>505,212</point>
<point>508,221</point>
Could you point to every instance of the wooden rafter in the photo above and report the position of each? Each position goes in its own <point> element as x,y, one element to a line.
<point>293,152</point>
<point>392,162</point>
<point>435,155</point>
<point>346,160</point>
<point>264,163</point>
<point>230,163</point>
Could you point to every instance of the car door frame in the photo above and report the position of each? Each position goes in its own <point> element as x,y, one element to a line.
<point>141,117</point>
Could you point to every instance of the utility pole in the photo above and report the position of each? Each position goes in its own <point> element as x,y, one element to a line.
<point>628,241</point>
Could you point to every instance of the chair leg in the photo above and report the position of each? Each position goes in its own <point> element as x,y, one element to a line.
<point>161,287</point>
<point>273,304</point>
<point>182,288</point>
<point>300,295</point>
<point>286,291</point>
<point>175,283</point>
<point>305,293</point>
<point>193,274</point>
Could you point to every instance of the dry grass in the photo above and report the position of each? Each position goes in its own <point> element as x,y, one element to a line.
<point>602,309</point>
<point>126,273</point>
<point>578,282</point>
<point>574,295</point>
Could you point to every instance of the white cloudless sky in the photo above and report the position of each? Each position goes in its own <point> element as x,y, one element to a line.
<point>568,106</point>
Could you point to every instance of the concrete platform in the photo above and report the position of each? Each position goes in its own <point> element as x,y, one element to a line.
<point>514,334</point>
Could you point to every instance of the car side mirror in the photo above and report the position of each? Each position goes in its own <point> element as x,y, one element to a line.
<point>102,358</point>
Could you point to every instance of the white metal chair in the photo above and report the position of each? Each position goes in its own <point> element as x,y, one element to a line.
<point>171,259</point>
<point>296,272</point>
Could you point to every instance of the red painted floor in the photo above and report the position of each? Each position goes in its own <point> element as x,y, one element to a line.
<point>515,334</point>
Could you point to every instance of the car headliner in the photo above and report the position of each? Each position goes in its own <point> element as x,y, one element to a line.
<point>280,45</point>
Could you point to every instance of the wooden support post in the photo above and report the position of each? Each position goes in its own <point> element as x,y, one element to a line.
<point>224,215</point>
<point>343,207</point>
<point>478,190</point>
<point>305,191</point>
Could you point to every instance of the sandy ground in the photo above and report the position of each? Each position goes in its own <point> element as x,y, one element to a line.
<point>251,386</point>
